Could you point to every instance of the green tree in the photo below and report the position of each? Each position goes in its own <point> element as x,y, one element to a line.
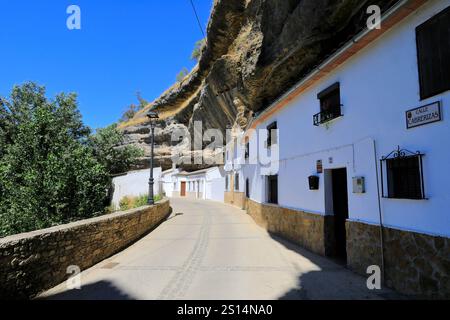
<point>49,174</point>
<point>109,150</point>
<point>182,74</point>
<point>198,49</point>
<point>142,102</point>
<point>132,109</point>
<point>129,113</point>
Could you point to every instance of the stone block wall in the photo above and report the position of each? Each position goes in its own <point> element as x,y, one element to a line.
<point>302,228</point>
<point>34,262</point>
<point>416,264</point>
<point>237,199</point>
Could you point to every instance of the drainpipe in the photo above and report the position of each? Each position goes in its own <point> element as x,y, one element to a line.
<point>380,214</point>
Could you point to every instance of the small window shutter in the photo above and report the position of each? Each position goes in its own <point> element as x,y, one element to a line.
<point>433,51</point>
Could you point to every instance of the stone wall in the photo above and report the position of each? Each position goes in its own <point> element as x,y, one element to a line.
<point>34,262</point>
<point>415,264</point>
<point>305,229</point>
<point>237,199</point>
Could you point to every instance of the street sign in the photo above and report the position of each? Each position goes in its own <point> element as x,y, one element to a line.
<point>423,115</point>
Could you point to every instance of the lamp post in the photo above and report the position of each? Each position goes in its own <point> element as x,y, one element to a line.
<point>153,116</point>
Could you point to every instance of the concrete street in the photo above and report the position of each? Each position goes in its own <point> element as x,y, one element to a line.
<point>209,250</point>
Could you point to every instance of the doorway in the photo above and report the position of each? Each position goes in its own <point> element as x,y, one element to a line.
<point>340,212</point>
<point>183,189</point>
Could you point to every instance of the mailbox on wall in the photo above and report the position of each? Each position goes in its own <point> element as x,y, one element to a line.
<point>313,183</point>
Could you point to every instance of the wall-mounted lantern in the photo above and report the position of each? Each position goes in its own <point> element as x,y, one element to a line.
<point>313,183</point>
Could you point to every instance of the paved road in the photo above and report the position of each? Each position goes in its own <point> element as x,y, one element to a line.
<point>209,250</point>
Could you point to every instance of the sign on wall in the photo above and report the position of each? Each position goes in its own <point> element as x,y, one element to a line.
<point>319,166</point>
<point>423,115</point>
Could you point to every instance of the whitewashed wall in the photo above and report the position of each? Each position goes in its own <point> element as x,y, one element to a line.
<point>134,184</point>
<point>215,184</point>
<point>378,86</point>
<point>169,182</point>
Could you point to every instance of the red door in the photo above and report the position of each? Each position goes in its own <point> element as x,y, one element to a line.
<point>183,189</point>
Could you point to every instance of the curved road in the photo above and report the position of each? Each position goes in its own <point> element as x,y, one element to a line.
<point>209,250</point>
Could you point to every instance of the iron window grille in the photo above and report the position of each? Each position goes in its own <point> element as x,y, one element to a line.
<point>404,171</point>
<point>330,105</point>
<point>236,182</point>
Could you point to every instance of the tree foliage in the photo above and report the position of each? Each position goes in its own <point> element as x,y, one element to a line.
<point>198,49</point>
<point>132,109</point>
<point>182,74</point>
<point>50,173</point>
<point>109,150</point>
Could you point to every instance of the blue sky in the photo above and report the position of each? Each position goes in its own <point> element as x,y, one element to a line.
<point>123,46</point>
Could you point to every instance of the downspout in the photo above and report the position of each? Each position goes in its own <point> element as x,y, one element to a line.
<point>380,214</point>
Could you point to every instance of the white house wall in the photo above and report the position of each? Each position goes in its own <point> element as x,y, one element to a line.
<point>134,184</point>
<point>378,86</point>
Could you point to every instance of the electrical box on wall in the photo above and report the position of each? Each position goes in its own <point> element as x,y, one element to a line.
<point>359,185</point>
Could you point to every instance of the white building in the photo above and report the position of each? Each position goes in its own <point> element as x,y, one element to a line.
<point>135,184</point>
<point>343,187</point>
<point>207,184</point>
<point>169,181</point>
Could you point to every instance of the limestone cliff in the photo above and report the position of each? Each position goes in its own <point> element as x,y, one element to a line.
<point>256,50</point>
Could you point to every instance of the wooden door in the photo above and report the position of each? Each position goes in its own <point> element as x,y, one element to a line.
<point>183,189</point>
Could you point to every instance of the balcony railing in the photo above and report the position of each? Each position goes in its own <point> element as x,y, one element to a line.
<point>327,116</point>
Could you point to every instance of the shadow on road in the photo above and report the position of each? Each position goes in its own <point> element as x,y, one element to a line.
<point>175,215</point>
<point>331,282</point>
<point>102,290</point>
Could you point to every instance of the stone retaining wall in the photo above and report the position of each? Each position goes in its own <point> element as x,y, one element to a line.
<point>304,229</point>
<point>416,264</point>
<point>238,199</point>
<point>34,262</point>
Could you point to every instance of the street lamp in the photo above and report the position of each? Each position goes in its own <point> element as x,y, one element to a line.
<point>153,116</point>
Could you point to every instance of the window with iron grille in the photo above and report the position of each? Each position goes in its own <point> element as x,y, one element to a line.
<point>272,194</point>
<point>236,182</point>
<point>404,175</point>
<point>272,134</point>
<point>330,105</point>
<point>247,188</point>
<point>433,52</point>
<point>227,182</point>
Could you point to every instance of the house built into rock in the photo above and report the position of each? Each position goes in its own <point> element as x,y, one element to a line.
<point>362,162</point>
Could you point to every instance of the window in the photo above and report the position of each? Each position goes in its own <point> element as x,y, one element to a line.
<point>404,175</point>
<point>433,52</point>
<point>247,188</point>
<point>272,195</point>
<point>227,182</point>
<point>247,150</point>
<point>330,105</point>
<point>236,182</point>
<point>272,134</point>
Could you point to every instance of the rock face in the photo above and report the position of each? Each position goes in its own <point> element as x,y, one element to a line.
<point>256,50</point>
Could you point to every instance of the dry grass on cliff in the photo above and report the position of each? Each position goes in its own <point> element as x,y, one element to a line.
<point>140,117</point>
